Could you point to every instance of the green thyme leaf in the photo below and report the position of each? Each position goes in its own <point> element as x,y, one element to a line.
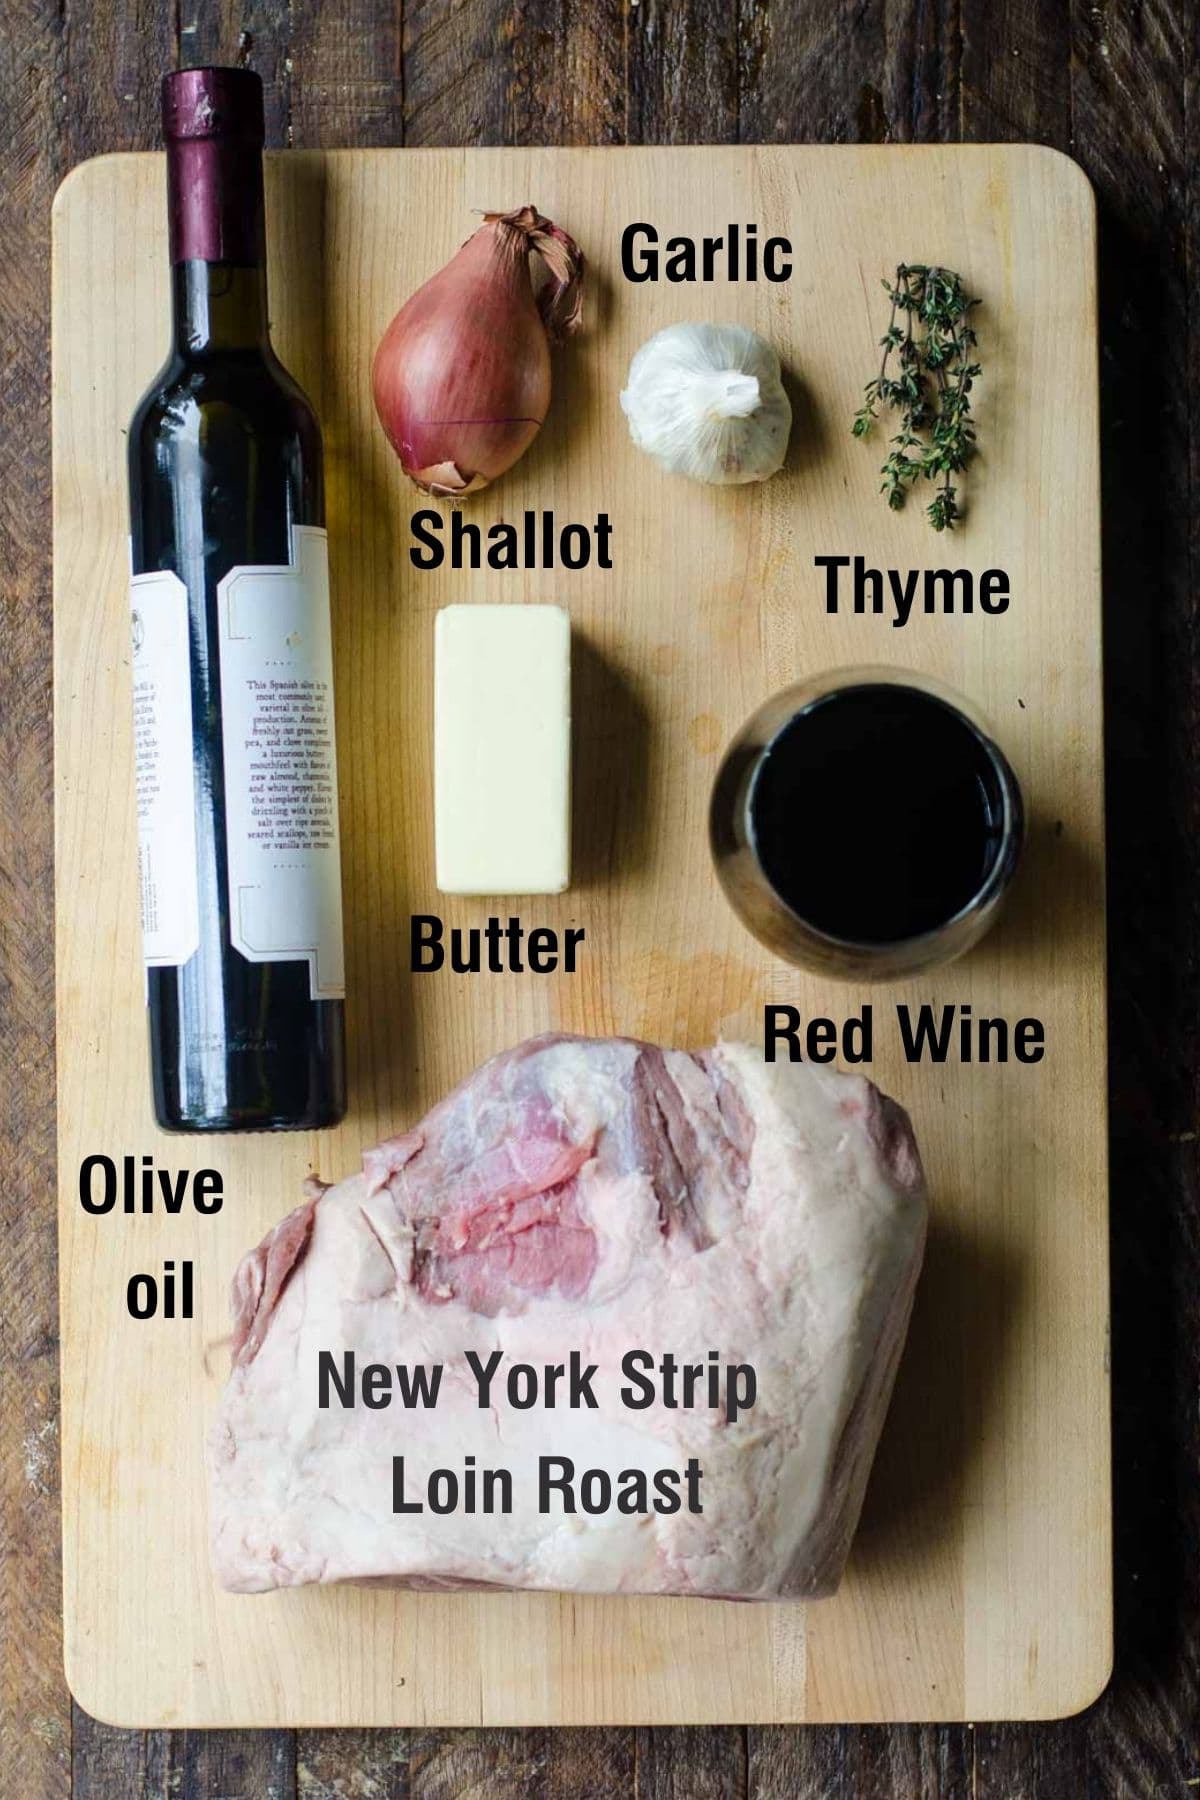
<point>925,376</point>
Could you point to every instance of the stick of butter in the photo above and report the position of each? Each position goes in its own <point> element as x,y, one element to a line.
<point>502,749</point>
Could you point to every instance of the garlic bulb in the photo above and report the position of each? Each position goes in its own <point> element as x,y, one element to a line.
<point>707,401</point>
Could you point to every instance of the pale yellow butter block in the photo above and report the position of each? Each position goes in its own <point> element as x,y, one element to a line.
<point>502,749</point>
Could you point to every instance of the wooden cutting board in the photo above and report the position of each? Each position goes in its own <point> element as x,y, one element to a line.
<point>980,1581</point>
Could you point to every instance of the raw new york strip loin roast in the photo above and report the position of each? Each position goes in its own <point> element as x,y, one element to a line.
<point>600,1195</point>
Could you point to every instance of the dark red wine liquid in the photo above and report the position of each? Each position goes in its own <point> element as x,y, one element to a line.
<point>877,814</point>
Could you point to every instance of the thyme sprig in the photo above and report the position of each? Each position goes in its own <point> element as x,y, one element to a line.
<point>925,375</point>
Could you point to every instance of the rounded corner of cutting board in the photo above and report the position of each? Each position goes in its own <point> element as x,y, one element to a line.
<point>107,170</point>
<point>1062,169</point>
<point>1092,1674</point>
<point>104,1699</point>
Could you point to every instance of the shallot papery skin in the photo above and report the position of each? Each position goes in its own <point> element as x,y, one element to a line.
<point>461,377</point>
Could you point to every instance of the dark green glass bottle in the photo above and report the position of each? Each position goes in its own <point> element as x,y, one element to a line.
<point>237,785</point>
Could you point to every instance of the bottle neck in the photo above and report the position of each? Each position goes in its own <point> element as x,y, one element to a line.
<point>219,307</point>
<point>218,254</point>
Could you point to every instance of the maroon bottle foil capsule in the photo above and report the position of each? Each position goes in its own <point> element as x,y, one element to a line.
<point>213,126</point>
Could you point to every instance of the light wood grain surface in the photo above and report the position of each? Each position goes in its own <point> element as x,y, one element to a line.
<point>980,1584</point>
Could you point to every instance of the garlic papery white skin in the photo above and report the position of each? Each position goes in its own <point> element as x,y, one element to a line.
<point>707,401</point>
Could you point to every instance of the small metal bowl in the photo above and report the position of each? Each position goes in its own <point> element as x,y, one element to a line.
<point>763,909</point>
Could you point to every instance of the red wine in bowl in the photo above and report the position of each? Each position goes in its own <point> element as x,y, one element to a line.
<point>866,824</point>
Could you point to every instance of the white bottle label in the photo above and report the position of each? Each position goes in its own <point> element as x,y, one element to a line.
<point>162,733</point>
<point>281,800</point>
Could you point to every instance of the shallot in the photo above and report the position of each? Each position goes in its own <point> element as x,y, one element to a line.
<point>462,374</point>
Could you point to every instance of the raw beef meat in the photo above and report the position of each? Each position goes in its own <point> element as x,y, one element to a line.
<point>602,1196</point>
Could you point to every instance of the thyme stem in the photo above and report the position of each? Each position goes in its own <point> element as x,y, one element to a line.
<point>929,390</point>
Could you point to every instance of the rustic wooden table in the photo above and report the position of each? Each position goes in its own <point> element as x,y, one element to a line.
<point>1116,85</point>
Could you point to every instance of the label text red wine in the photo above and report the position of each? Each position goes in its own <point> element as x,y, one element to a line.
<point>934,1034</point>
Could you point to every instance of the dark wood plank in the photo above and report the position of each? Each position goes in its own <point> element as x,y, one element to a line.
<point>1108,83</point>
<point>234,31</point>
<point>691,1762</point>
<point>347,78</point>
<point>34,1706</point>
<point>106,1762</point>
<point>881,72</point>
<point>530,71</point>
<point>1134,93</point>
<point>373,1763</point>
<point>567,82</point>
<point>682,73</point>
<point>457,77</point>
<point>852,1761</point>
<point>1023,1762</point>
<point>185,1765</point>
<point>1016,72</point>
<point>228,1765</point>
<point>114,57</point>
<point>537,1764</point>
